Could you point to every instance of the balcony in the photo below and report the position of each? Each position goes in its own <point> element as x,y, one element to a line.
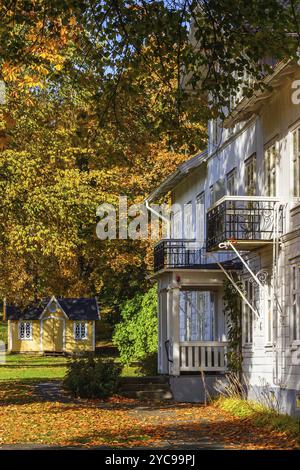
<point>250,221</point>
<point>187,254</point>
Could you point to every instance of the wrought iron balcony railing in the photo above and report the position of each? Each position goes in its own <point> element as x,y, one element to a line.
<point>250,221</point>
<point>175,253</point>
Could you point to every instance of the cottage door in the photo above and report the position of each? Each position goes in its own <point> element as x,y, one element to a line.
<point>53,334</point>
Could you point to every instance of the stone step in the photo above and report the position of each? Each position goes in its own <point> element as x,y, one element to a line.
<point>157,379</point>
<point>158,394</point>
<point>127,387</point>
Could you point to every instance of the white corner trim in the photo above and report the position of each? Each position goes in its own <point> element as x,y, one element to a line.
<point>10,336</point>
<point>94,335</point>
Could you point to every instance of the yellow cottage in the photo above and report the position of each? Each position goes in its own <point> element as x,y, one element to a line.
<point>53,326</point>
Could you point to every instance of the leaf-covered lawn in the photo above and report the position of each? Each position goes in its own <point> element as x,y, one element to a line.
<point>125,423</point>
<point>65,424</point>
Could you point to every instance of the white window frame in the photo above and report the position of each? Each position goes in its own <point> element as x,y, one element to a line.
<point>25,336</point>
<point>82,325</point>
<point>250,175</point>
<point>295,161</point>
<point>271,158</point>
<point>248,317</point>
<point>295,303</point>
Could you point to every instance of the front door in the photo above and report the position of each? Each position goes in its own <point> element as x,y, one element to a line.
<point>52,334</point>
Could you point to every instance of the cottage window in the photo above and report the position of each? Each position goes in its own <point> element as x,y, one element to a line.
<point>250,176</point>
<point>296,162</point>
<point>25,330</point>
<point>80,330</point>
<point>248,314</point>
<point>295,300</point>
<point>270,169</point>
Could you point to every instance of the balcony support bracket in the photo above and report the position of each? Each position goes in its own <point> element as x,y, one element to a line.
<point>228,244</point>
<point>230,278</point>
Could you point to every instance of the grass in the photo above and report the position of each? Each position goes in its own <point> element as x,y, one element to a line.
<point>27,366</point>
<point>36,367</point>
<point>260,416</point>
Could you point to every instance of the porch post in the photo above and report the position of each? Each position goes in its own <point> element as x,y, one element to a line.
<point>175,370</point>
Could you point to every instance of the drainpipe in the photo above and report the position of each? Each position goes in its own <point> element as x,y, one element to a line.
<point>160,216</point>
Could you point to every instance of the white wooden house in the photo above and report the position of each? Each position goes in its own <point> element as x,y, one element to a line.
<point>241,212</point>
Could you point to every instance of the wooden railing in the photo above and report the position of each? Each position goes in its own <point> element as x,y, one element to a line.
<point>202,355</point>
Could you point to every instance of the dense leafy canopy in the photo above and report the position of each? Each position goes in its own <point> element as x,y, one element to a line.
<point>95,108</point>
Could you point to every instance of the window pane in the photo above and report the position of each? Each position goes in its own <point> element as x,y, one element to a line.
<point>196,316</point>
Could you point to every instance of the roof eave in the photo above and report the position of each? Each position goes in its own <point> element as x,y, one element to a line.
<point>249,106</point>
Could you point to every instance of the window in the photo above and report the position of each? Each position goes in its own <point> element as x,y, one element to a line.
<point>196,315</point>
<point>296,162</point>
<point>177,224</point>
<point>295,300</point>
<point>200,218</point>
<point>211,195</point>
<point>80,330</point>
<point>214,132</point>
<point>250,176</point>
<point>188,221</point>
<point>270,169</point>
<point>217,191</point>
<point>248,314</point>
<point>269,315</point>
<point>25,330</point>
<point>231,183</point>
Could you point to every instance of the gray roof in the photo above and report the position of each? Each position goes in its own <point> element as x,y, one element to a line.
<point>179,174</point>
<point>74,308</point>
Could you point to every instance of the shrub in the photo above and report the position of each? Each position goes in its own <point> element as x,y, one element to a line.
<point>91,377</point>
<point>136,334</point>
<point>3,332</point>
<point>148,365</point>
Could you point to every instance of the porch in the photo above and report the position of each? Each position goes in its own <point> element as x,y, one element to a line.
<point>192,328</point>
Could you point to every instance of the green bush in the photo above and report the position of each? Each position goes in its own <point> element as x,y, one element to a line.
<point>136,335</point>
<point>92,377</point>
<point>148,365</point>
<point>3,331</point>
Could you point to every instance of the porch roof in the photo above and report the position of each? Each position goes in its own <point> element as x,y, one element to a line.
<point>179,174</point>
<point>74,308</point>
